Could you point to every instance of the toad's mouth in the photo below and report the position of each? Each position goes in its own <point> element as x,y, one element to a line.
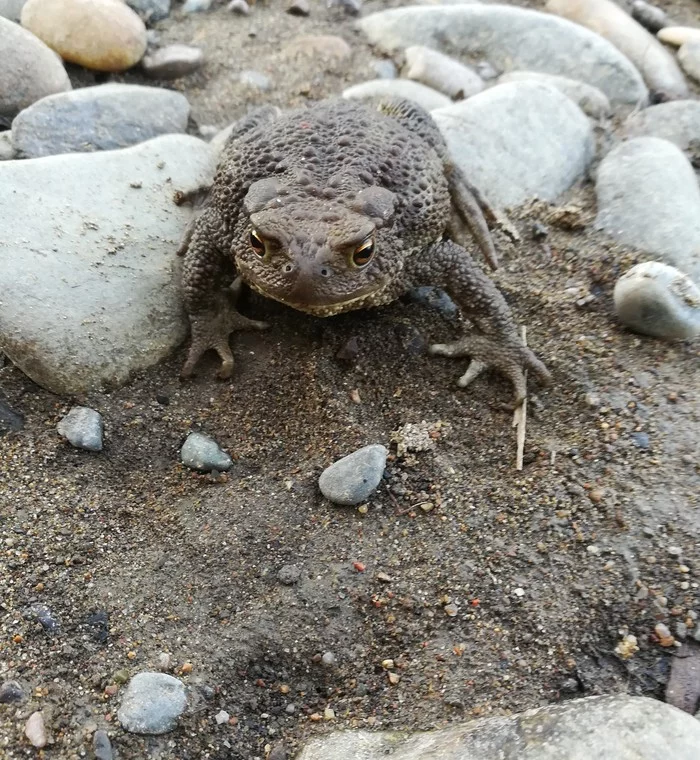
<point>357,300</point>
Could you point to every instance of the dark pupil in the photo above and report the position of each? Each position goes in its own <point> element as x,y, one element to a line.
<point>256,243</point>
<point>363,255</point>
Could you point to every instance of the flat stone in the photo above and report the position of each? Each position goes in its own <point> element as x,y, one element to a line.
<point>510,38</point>
<point>656,299</point>
<point>29,70</point>
<point>328,49</point>
<point>103,117</point>
<point>678,35</point>
<point>595,728</point>
<point>196,6</point>
<point>150,10</point>
<point>11,9</point>
<point>353,478</point>
<point>589,99</point>
<point>83,428</point>
<point>677,121</point>
<point>173,62</point>
<point>200,452</point>
<point>10,421</point>
<point>517,141</point>
<point>606,18</point>
<point>102,746</point>
<point>426,97</point>
<point>689,57</point>
<point>648,197</point>
<point>99,251</point>
<point>35,730</point>
<point>152,704</point>
<point>442,73</point>
<point>99,34</point>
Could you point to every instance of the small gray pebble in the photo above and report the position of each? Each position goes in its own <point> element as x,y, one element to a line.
<point>152,704</point>
<point>290,709</point>
<point>196,6</point>
<point>649,16</point>
<point>328,659</point>
<point>351,7</point>
<point>11,691</point>
<point>641,440</point>
<point>385,69</point>
<point>681,631</point>
<point>239,6</point>
<point>278,752</point>
<point>353,478</point>
<point>675,551</point>
<point>256,80</point>
<point>83,428</point>
<point>42,614</point>
<point>299,8</point>
<point>200,452</point>
<point>289,574</point>
<point>486,71</point>
<point>173,62</point>
<point>102,745</point>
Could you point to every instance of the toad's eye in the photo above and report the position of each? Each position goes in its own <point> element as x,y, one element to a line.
<point>257,243</point>
<point>363,254</point>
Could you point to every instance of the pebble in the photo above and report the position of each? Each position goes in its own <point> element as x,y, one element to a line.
<point>649,16</point>
<point>164,661</point>
<point>104,117</point>
<point>256,80</point>
<point>679,35</point>
<point>589,99</point>
<point>689,58</point>
<point>328,49</point>
<point>200,452</point>
<point>496,32</point>
<point>442,73</point>
<point>9,418</point>
<point>618,726</point>
<point>83,428</point>
<point>7,152</point>
<point>648,197</point>
<point>384,69</point>
<point>351,7</point>
<point>221,717</point>
<point>353,478</point>
<point>173,62</point>
<point>656,299</point>
<point>299,8</point>
<point>677,121</point>
<point>328,659</point>
<point>196,6</point>
<point>102,746</point>
<point>43,615</point>
<point>11,691</point>
<point>152,704</point>
<point>426,97</point>
<point>517,141</point>
<point>289,574</point>
<point>675,551</point>
<point>99,34</point>
<point>93,216</point>
<point>150,10</point>
<point>664,635</point>
<point>35,730</point>
<point>606,18</point>
<point>11,9</point>
<point>29,70</point>
<point>240,7</point>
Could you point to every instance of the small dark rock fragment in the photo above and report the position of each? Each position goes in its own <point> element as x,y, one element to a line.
<point>102,745</point>
<point>9,418</point>
<point>99,625</point>
<point>683,687</point>
<point>649,16</point>
<point>289,574</point>
<point>11,691</point>
<point>42,614</point>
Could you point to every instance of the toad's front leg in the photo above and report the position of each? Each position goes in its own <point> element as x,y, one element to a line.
<point>211,307</point>
<point>496,342</point>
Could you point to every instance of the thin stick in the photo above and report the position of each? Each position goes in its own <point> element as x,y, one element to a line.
<point>520,417</point>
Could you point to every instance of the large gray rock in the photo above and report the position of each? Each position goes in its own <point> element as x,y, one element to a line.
<point>511,38</point>
<point>648,197</point>
<point>103,117</point>
<point>399,88</point>
<point>678,122</point>
<point>152,704</point>
<point>88,271</point>
<point>596,728</point>
<point>518,141</point>
<point>29,70</point>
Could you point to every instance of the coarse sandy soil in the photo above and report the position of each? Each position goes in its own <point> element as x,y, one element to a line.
<point>548,568</point>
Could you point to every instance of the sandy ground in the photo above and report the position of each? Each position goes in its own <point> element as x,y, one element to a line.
<point>548,568</point>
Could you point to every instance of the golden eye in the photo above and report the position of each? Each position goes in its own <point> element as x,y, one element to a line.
<point>363,254</point>
<point>257,243</point>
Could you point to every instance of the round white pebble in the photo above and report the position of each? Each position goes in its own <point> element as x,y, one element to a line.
<point>657,299</point>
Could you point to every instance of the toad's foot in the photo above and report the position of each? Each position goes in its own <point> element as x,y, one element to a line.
<point>211,329</point>
<point>509,358</point>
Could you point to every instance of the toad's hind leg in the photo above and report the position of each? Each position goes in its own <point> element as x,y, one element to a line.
<point>470,209</point>
<point>211,307</point>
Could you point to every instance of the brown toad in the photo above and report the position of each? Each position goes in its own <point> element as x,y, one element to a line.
<point>338,207</point>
